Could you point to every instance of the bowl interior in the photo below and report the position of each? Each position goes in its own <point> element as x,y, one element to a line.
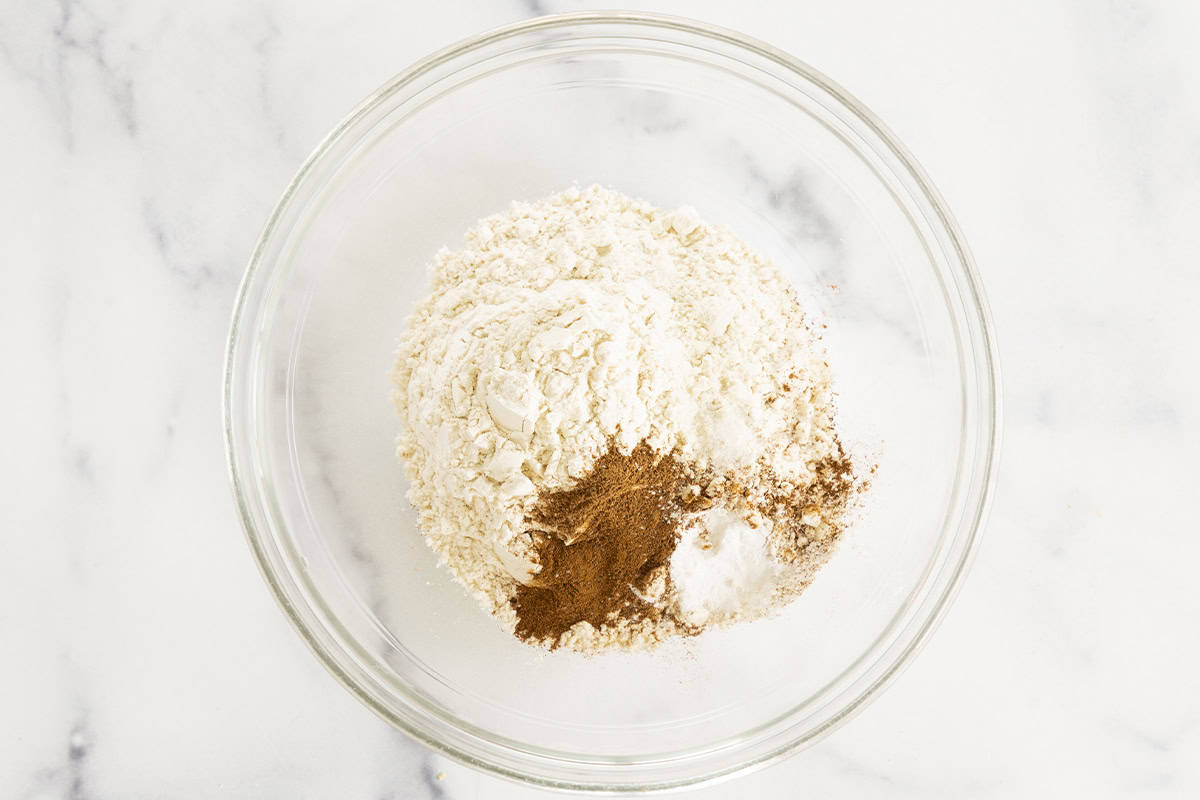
<point>676,119</point>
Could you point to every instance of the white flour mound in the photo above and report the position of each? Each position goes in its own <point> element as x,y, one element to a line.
<point>582,319</point>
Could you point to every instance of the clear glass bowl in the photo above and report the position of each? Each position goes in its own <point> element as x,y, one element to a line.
<point>678,113</point>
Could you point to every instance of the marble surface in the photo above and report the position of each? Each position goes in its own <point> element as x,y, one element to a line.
<point>143,146</point>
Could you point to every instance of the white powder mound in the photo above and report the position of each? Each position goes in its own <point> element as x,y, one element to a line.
<point>583,319</point>
<point>722,567</point>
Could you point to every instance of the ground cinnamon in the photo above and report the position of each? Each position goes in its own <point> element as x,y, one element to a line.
<point>602,543</point>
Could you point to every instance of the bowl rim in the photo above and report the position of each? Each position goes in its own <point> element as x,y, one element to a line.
<point>987,355</point>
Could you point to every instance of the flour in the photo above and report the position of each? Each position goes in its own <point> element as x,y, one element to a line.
<point>588,320</point>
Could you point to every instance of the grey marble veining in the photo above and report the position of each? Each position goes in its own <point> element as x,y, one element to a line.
<point>144,145</point>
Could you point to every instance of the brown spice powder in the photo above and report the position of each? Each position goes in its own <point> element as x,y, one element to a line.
<point>816,512</point>
<point>601,544</point>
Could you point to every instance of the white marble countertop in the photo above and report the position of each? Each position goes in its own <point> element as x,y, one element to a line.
<point>144,144</point>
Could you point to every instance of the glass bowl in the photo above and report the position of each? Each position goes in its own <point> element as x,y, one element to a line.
<point>676,112</point>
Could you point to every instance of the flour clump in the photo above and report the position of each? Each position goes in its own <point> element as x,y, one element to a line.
<point>591,372</point>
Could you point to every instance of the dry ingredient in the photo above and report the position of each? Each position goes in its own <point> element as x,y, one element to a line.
<point>617,425</point>
<point>603,546</point>
<point>721,566</point>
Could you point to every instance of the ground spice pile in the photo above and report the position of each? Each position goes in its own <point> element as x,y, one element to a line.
<point>603,545</point>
